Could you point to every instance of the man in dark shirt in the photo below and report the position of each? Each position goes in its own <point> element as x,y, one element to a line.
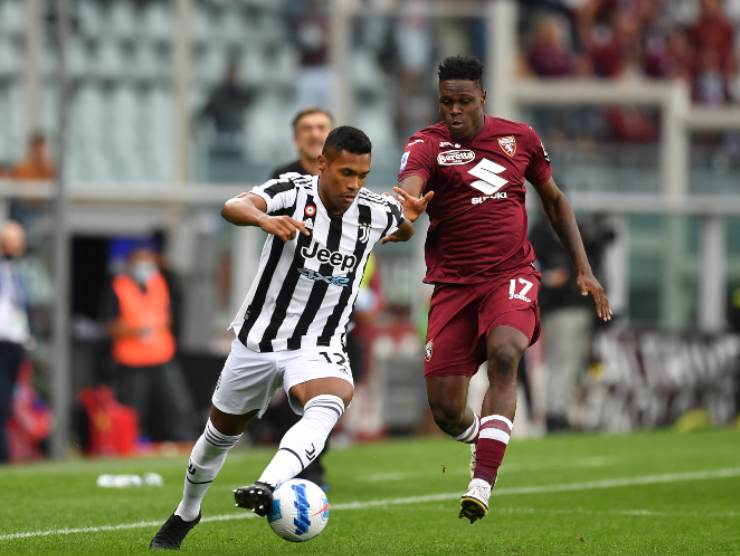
<point>227,103</point>
<point>566,323</point>
<point>310,128</point>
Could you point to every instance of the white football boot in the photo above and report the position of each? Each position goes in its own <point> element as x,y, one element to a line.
<point>474,503</point>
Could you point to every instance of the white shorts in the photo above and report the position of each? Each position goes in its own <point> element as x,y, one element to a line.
<point>249,378</point>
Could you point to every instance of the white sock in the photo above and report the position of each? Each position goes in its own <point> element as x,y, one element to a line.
<point>470,435</point>
<point>206,460</point>
<point>305,440</point>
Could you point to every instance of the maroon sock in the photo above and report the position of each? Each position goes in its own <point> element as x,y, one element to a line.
<point>494,435</point>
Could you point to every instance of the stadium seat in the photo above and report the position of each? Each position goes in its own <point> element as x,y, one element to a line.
<point>122,20</point>
<point>10,58</point>
<point>12,17</point>
<point>156,22</point>
<point>90,18</point>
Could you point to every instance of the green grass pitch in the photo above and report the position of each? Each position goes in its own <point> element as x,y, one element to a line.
<point>647,493</point>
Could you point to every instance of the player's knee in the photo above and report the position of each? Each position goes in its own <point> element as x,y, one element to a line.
<point>503,360</point>
<point>346,397</point>
<point>448,416</point>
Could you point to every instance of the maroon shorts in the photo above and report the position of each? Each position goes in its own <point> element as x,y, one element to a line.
<point>460,315</point>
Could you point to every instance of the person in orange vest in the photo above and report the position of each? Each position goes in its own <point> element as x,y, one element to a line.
<point>139,318</point>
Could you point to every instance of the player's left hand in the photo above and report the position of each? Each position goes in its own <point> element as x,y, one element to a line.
<point>588,284</point>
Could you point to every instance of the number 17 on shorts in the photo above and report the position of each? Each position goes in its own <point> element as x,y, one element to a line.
<point>519,288</point>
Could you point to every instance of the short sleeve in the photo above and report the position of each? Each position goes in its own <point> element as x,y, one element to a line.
<point>278,194</point>
<point>539,170</point>
<point>396,215</point>
<point>417,158</point>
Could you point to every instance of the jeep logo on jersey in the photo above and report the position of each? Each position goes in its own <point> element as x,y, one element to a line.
<point>334,258</point>
<point>455,158</point>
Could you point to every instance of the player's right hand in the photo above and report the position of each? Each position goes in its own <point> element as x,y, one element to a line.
<point>413,207</point>
<point>284,227</point>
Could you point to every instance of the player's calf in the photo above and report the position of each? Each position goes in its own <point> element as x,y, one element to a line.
<point>470,437</point>
<point>206,460</point>
<point>493,438</point>
<point>305,440</point>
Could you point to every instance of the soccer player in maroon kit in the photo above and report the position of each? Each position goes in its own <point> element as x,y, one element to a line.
<point>484,308</point>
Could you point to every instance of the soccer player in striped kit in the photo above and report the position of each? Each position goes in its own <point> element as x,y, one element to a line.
<point>290,329</point>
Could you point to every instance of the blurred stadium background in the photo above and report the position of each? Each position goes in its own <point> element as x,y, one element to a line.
<point>636,101</point>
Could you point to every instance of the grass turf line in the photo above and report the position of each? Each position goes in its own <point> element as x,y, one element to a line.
<point>536,512</point>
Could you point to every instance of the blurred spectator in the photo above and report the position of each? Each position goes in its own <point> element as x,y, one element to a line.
<point>15,330</point>
<point>138,312</point>
<point>712,39</point>
<point>616,51</point>
<point>566,324</point>
<point>174,285</point>
<point>413,39</point>
<point>227,103</point>
<point>733,321</point>
<point>566,11</point>
<point>225,111</point>
<point>37,164</point>
<point>549,54</point>
<point>669,57</point>
<point>632,124</point>
<point>310,128</point>
<point>311,32</point>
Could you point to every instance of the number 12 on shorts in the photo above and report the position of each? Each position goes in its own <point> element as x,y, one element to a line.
<point>524,287</point>
<point>336,359</point>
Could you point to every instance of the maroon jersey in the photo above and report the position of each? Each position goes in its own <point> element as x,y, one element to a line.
<point>478,219</point>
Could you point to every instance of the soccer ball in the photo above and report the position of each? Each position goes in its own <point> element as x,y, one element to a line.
<point>300,510</point>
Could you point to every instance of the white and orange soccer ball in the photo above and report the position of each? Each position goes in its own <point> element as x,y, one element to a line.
<point>300,510</point>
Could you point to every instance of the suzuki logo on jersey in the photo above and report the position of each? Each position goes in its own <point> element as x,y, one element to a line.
<point>342,280</point>
<point>334,258</point>
<point>455,158</point>
<point>489,181</point>
<point>479,200</point>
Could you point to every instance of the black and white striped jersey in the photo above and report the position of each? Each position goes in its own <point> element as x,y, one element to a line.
<point>304,290</point>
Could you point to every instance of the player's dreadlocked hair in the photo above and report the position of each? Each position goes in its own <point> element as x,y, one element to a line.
<point>347,138</point>
<point>460,67</point>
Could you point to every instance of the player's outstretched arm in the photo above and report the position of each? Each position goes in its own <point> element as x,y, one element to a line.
<point>408,192</point>
<point>248,209</point>
<point>563,220</point>
<point>412,209</point>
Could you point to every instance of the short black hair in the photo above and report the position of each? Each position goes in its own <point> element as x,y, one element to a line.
<point>461,67</point>
<point>347,138</point>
